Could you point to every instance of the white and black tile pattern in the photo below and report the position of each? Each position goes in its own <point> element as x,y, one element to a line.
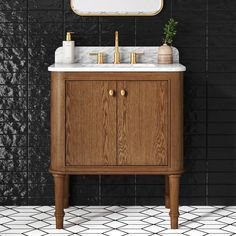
<point>118,221</point>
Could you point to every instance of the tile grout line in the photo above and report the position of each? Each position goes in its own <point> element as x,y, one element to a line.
<point>206,84</point>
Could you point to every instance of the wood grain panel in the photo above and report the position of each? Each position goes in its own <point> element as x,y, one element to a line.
<point>143,123</point>
<point>90,123</point>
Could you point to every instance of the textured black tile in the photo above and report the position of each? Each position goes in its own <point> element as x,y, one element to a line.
<point>222,165</point>
<point>194,128</point>
<point>13,5</point>
<point>38,159</point>
<point>13,165</point>
<point>88,201</point>
<point>11,190</point>
<point>13,91</point>
<point>125,201</point>
<point>9,178</point>
<point>151,201</point>
<point>8,201</point>
<point>13,41</point>
<point>13,78</point>
<point>84,179</point>
<point>46,28</point>
<point>13,128</point>
<point>221,116</point>
<point>71,17</point>
<point>45,4</point>
<point>13,54</point>
<point>194,116</point>
<point>222,191</point>
<point>189,5</point>
<point>147,190</point>
<point>40,178</point>
<point>222,29</point>
<point>149,179</point>
<point>193,178</point>
<point>85,190</point>
<point>185,201</point>
<point>227,91</point>
<point>221,153</point>
<point>45,16</point>
<point>12,28</point>
<point>222,178</point>
<point>39,97</point>
<point>13,140</point>
<point>219,40</point>
<point>40,190</point>
<point>221,5</point>
<point>222,104</point>
<point>13,16</point>
<point>192,190</point>
<point>117,180</point>
<point>10,153</point>
<point>195,140</point>
<point>222,140</point>
<point>222,78</point>
<point>222,128</point>
<point>13,115</point>
<point>220,16</point>
<point>13,103</point>
<point>194,153</point>
<point>117,190</point>
<point>41,201</point>
<point>13,66</point>
<point>223,201</point>
<point>43,78</point>
<point>221,66</point>
<point>192,165</point>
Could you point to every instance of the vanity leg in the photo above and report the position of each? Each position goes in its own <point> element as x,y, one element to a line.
<point>66,191</point>
<point>59,189</point>
<point>174,200</point>
<point>167,192</point>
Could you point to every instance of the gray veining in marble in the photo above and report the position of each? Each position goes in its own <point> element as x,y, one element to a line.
<point>82,54</point>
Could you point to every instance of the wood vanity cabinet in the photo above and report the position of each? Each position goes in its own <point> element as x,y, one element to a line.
<point>116,123</point>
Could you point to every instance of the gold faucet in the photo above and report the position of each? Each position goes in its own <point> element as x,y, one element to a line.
<point>117,52</point>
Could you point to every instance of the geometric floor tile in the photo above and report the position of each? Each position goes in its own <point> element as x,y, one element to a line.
<point>118,221</point>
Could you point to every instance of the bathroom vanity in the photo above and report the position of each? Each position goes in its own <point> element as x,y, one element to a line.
<point>116,120</point>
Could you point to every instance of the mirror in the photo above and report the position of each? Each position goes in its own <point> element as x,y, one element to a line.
<point>116,7</point>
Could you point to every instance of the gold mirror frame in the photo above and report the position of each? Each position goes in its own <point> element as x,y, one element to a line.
<point>115,14</point>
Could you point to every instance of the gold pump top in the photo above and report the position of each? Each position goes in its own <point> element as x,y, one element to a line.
<point>68,36</point>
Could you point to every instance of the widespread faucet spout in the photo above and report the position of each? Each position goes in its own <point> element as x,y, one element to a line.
<point>117,52</point>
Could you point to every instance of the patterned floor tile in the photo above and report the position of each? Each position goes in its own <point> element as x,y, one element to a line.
<point>118,221</point>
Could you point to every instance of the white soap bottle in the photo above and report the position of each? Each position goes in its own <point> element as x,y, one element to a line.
<point>68,49</point>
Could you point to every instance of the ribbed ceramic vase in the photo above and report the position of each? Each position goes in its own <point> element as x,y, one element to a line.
<point>165,54</point>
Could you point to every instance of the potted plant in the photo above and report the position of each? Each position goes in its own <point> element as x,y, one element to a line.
<point>165,54</point>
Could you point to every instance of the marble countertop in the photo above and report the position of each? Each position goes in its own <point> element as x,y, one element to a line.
<point>142,67</point>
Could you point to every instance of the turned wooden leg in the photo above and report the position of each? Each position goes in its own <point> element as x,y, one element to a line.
<point>167,192</point>
<point>59,189</point>
<point>174,200</point>
<point>66,191</point>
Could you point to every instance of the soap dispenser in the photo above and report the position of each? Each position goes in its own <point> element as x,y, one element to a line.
<point>68,49</point>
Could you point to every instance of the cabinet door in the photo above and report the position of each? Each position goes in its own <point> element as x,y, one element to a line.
<point>90,123</point>
<point>143,123</point>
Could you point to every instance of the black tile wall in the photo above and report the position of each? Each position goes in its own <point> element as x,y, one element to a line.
<point>31,30</point>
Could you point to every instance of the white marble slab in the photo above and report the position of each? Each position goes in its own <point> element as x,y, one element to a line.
<point>82,54</point>
<point>85,62</point>
<point>117,68</point>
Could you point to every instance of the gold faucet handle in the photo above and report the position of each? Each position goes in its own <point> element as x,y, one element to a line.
<point>100,56</point>
<point>133,57</point>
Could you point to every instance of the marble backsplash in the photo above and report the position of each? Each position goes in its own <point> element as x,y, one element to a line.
<point>82,54</point>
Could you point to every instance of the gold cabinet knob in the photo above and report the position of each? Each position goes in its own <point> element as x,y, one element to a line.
<point>122,92</point>
<point>111,92</point>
